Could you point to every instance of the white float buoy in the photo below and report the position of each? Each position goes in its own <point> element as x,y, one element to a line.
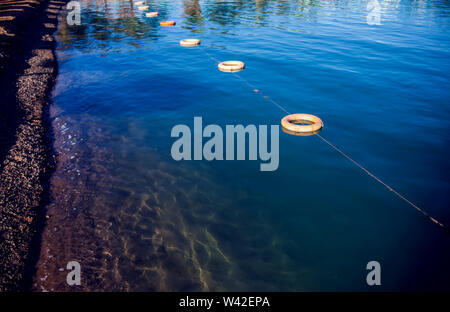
<point>289,123</point>
<point>189,42</point>
<point>139,3</point>
<point>151,14</point>
<point>143,8</point>
<point>231,66</point>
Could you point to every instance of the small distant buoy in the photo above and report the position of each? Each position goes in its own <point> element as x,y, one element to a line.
<point>231,66</point>
<point>143,8</point>
<point>139,3</point>
<point>189,42</point>
<point>151,14</point>
<point>167,23</point>
<point>315,124</point>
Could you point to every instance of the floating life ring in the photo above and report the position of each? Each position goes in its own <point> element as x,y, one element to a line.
<point>289,123</point>
<point>299,133</point>
<point>189,42</point>
<point>139,3</point>
<point>167,23</point>
<point>143,8</point>
<point>151,14</point>
<point>231,66</point>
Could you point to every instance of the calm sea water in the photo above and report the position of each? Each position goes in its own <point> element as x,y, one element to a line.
<point>136,219</point>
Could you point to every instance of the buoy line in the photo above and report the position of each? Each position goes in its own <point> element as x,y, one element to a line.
<point>189,42</point>
<point>384,184</point>
<point>395,192</point>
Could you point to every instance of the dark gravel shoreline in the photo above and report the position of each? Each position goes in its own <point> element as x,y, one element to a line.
<point>28,70</point>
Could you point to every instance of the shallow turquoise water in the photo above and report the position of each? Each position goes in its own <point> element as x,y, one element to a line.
<point>382,91</point>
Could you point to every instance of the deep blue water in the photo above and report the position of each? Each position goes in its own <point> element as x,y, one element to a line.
<point>382,91</point>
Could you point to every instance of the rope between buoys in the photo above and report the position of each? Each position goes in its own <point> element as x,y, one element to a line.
<point>384,184</point>
<point>256,90</point>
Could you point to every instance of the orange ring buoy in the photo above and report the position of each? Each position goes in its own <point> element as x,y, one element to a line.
<point>189,42</point>
<point>167,23</point>
<point>231,66</point>
<point>289,121</point>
